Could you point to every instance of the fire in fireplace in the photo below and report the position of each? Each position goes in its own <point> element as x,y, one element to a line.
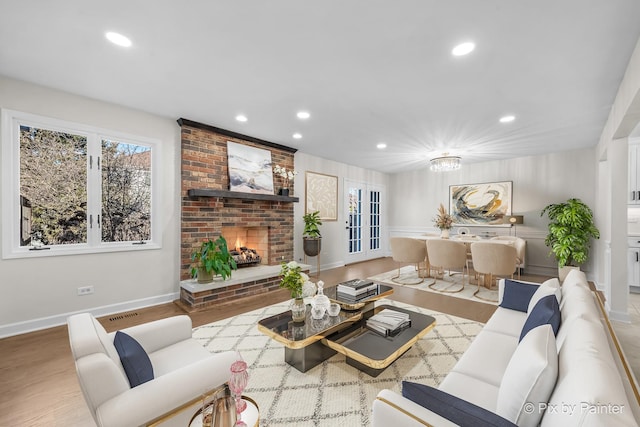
<point>248,245</point>
<point>244,256</point>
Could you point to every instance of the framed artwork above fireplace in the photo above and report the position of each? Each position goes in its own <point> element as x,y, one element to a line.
<point>249,169</point>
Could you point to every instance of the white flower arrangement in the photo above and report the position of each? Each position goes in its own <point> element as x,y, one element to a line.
<point>288,175</point>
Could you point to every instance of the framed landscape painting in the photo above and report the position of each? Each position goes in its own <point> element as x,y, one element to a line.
<point>480,204</point>
<point>249,169</point>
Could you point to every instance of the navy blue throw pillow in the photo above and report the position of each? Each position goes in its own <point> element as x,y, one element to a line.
<point>135,360</point>
<point>454,409</point>
<point>517,295</point>
<point>545,311</point>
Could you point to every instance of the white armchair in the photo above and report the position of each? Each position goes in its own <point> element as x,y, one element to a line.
<point>183,370</point>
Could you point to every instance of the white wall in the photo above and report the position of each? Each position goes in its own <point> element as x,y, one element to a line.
<point>334,234</point>
<point>612,150</point>
<point>537,182</point>
<point>40,292</point>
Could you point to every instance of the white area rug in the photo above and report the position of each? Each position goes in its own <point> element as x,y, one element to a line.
<point>333,393</point>
<point>449,282</point>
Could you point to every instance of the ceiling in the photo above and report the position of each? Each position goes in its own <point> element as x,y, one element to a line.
<point>368,71</point>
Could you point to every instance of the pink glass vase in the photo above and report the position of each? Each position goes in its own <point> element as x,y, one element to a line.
<point>237,384</point>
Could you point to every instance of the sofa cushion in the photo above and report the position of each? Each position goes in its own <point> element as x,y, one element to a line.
<point>487,357</point>
<point>530,377</point>
<point>589,390</point>
<point>505,321</point>
<point>180,354</point>
<point>550,287</point>
<point>517,295</point>
<point>451,407</point>
<point>471,389</point>
<point>546,311</point>
<point>135,360</point>
<point>575,278</point>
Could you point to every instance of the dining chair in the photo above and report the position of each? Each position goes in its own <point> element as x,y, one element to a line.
<point>521,246</point>
<point>492,259</point>
<point>408,250</point>
<point>447,255</point>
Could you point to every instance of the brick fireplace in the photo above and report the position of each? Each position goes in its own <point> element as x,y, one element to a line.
<point>209,210</point>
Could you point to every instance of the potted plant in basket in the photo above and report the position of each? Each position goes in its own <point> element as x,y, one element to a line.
<point>311,238</point>
<point>443,221</point>
<point>571,229</point>
<point>212,259</point>
<point>293,279</point>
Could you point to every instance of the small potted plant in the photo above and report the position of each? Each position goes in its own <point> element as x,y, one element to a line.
<point>443,221</point>
<point>212,259</point>
<point>312,240</point>
<point>571,228</point>
<point>287,175</point>
<point>293,279</point>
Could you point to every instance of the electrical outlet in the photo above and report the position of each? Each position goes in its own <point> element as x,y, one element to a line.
<point>85,290</point>
<point>282,257</point>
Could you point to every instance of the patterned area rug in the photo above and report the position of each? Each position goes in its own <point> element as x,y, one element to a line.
<point>454,282</point>
<point>333,393</point>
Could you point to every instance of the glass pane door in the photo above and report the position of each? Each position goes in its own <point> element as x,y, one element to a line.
<point>363,221</point>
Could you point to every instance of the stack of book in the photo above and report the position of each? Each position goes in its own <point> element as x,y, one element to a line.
<point>389,322</point>
<point>356,290</point>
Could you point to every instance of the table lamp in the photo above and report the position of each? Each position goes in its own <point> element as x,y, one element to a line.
<point>513,220</point>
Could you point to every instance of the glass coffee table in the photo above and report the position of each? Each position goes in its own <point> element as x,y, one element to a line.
<point>308,344</point>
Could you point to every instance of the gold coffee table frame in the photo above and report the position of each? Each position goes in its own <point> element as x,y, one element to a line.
<point>308,344</point>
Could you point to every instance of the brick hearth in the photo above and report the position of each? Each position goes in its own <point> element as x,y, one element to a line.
<point>204,167</point>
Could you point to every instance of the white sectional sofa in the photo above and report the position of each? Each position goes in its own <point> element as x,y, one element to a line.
<point>576,378</point>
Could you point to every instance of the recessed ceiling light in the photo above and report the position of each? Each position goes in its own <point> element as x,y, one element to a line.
<point>381,146</point>
<point>507,119</point>
<point>241,118</point>
<point>119,39</point>
<point>303,114</point>
<point>297,136</point>
<point>463,49</point>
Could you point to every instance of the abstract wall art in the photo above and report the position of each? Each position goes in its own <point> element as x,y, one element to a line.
<point>249,169</point>
<point>322,195</point>
<point>480,204</point>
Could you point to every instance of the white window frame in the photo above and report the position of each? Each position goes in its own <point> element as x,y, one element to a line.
<point>11,122</point>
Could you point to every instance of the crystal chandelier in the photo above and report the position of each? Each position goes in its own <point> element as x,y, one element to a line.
<point>445,163</point>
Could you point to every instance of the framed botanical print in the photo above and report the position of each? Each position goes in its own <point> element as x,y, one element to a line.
<point>322,195</point>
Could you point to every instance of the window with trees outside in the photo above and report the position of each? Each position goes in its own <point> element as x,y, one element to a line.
<point>74,188</point>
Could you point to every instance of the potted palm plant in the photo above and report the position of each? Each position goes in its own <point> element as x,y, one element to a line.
<point>571,228</point>
<point>212,259</point>
<point>312,240</point>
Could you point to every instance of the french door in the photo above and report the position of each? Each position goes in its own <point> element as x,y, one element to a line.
<point>363,224</point>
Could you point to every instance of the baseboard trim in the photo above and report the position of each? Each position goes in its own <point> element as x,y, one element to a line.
<point>313,266</point>
<point>619,316</point>
<point>61,319</point>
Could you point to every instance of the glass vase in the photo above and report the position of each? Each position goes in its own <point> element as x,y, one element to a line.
<point>237,383</point>
<point>298,310</point>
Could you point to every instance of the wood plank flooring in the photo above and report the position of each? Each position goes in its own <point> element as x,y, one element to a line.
<point>37,373</point>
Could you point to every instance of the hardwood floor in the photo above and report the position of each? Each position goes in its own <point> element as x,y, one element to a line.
<point>37,373</point>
